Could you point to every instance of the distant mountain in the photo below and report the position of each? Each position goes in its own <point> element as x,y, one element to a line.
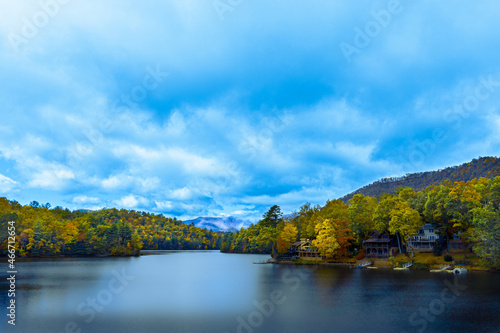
<point>230,224</point>
<point>487,167</point>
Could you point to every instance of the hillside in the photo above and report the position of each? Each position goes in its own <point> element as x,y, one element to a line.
<point>487,167</point>
<point>42,231</point>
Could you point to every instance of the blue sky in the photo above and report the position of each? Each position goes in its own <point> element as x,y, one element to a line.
<point>224,108</point>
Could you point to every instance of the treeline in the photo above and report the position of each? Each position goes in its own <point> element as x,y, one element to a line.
<point>41,231</point>
<point>487,167</point>
<point>259,238</point>
<point>338,229</point>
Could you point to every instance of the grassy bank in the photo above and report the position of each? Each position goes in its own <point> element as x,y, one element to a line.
<point>421,261</point>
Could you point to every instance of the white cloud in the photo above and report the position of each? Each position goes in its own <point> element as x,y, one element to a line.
<point>194,148</point>
<point>132,202</point>
<point>83,199</point>
<point>181,194</point>
<point>123,181</point>
<point>355,153</point>
<point>163,205</point>
<point>149,158</point>
<point>115,182</point>
<point>7,185</point>
<point>176,124</point>
<point>54,179</point>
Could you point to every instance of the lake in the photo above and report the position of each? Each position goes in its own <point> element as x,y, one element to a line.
<point>208,291</point>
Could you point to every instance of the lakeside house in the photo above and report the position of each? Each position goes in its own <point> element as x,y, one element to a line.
<point>380,245</point>
<point>424,240</point>
<point>456,244</point>
<point>303,249</point>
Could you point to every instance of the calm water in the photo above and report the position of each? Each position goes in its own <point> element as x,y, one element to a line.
<point>214,292</point>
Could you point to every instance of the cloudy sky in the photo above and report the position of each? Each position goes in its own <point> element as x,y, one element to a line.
<point>217,108</point>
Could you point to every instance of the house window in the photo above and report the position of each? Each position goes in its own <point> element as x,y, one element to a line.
<point>384,236</point>
<point>374,236</point>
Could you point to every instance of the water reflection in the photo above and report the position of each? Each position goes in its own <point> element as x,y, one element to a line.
<point>209,291</point>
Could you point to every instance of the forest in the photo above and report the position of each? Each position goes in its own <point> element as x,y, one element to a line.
<point>338,228</point>
<point>486,167</point>
<point>42,231</point>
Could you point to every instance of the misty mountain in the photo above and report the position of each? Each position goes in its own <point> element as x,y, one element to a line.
<point>228,224</point>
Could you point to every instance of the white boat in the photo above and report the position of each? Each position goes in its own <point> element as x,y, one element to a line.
<point>365,264</point>
<point>460,270</point>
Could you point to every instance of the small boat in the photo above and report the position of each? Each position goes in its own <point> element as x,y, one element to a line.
<point>365,264</point>
<point>372,267</point>
<point>460,270</point>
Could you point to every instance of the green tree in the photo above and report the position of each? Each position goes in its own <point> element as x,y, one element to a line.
<point>486,234</point>
<point>272,217</point>
<point>382,214</point>
<point>361,209</point>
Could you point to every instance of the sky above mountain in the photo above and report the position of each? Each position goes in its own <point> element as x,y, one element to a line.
<point>224,108</point>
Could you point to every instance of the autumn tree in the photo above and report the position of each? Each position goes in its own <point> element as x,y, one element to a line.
<point>333,237</point>
<point>286,237</point>
<point>335,210</point>
<point>405,220</point>
<point>325,241</point>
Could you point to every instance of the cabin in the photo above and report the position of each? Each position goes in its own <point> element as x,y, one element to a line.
<point>380,245</point>
<point>303,249</point>
<point>456,243</point>
<point>424,240</point>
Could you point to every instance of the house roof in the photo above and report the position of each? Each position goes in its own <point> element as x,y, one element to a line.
<point>302,242</point>
<point>379,238</point>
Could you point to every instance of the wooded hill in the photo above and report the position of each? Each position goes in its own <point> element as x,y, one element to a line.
<point>337,230</point>
<point>487,167</point>
<point>42,231</point>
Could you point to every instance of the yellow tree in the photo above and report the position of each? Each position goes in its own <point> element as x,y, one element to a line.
<point>286,237</point>
<point>404,220</point>
<point>325,241</point>
<point>69,235</point>
<point>335,210</point>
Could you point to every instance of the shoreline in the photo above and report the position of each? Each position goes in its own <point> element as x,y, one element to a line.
<point>383,264</point>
